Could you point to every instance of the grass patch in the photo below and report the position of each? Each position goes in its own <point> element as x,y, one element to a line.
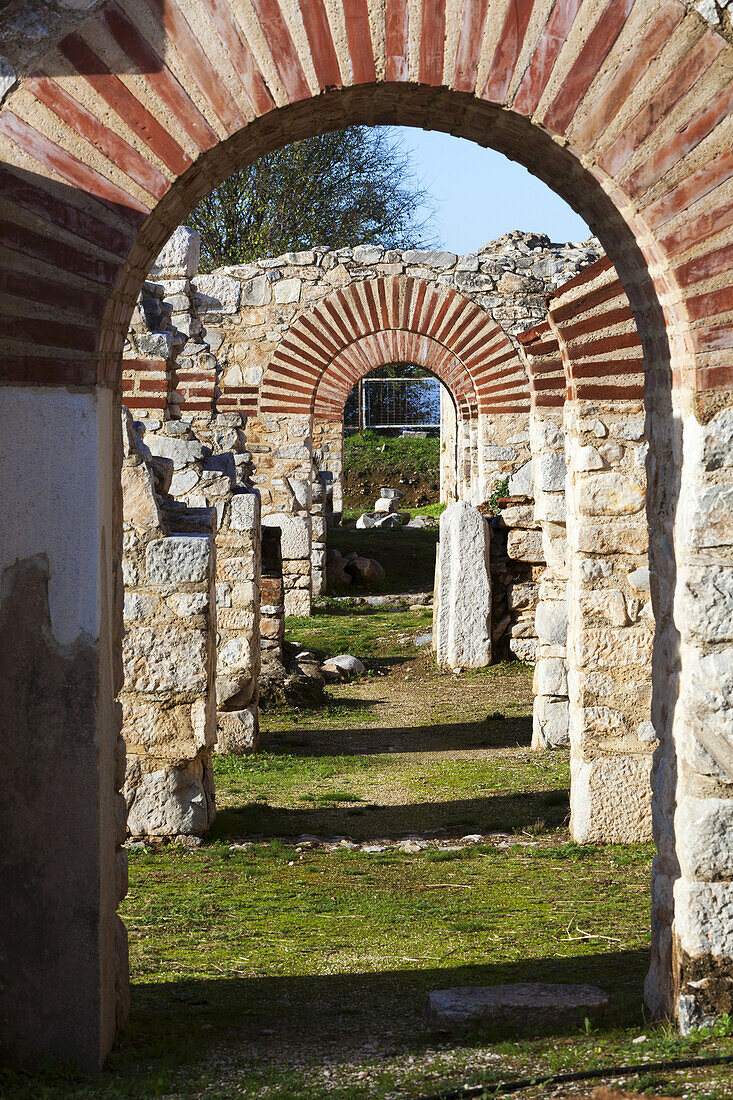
<point>389,457</point>
<point>375,634</point>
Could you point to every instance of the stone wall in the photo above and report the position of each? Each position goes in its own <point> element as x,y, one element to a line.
<point>610,618</point>
<point>541,352</point>
<point>169,653</point>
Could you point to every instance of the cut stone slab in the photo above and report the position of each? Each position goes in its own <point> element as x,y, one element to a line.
<point>462,615</point>
<point>344,664</point>
<point>528,1006</point>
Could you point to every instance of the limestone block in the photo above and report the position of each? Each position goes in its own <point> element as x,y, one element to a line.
<point>639,579</point>
<point>522,596</point>
<point>588,571</point>
<point>139,504</point>
<point>295,536</point>
<point>600,647</point>
<point>182,452</point>
<point>154,345</point>
<point>138,605</point>
<point>610,800</point>
<point>551,507</point>
<point>238,731</point>
<point>298,602</point>
<point>180,255</point>
<point>257,291</point>
<point>703,922</point>
<point>177,732</point>
<point>495,453</point>
<point>704,832</point>
<point>552,470</point>
<point>523,1005</point>
<point>608,604</point>
<point>462,617</point>
<point>632,428</point>
<point>169,802</point>
<point>367,254</point>
<point>191,603</point>
<point>551,676</point>
<point>553,722</point>
<point>525,545</point>
<point>586,458</point>
<point>524,649</point>
<point>705,602</point>
<point>518,516</point>
<point>716,442</point>
<point>616,538</point>
<point>8,77</point>
<point>166,657</point>
<point>287,290</point>
<point>546,435</point>
<point>551,619</point>
<point>184,482</point>
<point>704,723</point>
<point>244,510</point>
<point>609,494</point>
<point>386,505</point>
<point>429,257</point>
<point>521,483</point>
<point>218,293</point>
<point>179,559</point>
<point>237,683</point>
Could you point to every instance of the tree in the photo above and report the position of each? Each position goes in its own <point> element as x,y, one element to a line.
<point>340,189</point>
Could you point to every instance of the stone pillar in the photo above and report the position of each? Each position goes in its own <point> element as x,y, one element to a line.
<point>169,654</point>
<point>541,353</point>
<point>610,620</point>
<point>448,444</point>
<point>462,614</point>
<point>692,883</point>
<point>281,449</point>
<point>238,557</point>
<point>64,986</point>
<point>328,461</point>
<point>272,608</point>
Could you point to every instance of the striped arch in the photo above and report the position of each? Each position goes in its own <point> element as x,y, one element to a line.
<point>394,319</point>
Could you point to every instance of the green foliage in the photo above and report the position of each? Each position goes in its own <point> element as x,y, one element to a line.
<point>390,456</point>
<point>347,187</point>
<point>501,489</point>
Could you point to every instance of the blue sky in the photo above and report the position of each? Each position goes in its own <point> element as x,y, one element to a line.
<point>480,195</point>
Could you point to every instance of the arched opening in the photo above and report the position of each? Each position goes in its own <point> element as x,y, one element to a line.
<point>95,195</point>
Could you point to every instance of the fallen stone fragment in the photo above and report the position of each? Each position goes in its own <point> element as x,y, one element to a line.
<point>344,664</point>
<point>423,639</point>
<point>528,1006</point>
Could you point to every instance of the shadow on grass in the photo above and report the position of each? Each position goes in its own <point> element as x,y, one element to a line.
<point>535,811</point>
<point>338,1016</point>
<point>490,733</point>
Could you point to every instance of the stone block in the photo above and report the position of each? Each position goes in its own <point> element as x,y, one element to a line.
<point>175,731</point>
<point>521,483</point>
<point>609,494</point>
<point>551,676</point>
<point>551,620</point>
<point>295,535</point>
<point>602,648</point>
<point>610,800</point>
<point>522,596</point>
<point>386,505</point>
<point>168,802</point>
<point>525,545</point>
<point>518,516</point>
<point>180,255</point>
<point>244,511</point>
<point>237,731</point>
<point>607,603</point>
<point>179,559</point>
<point>550,507</point>
<point>166,657</point>
<point>429,257</point>
<point>527,1006</point>
<point>552,470</point>
<point>553,723</point>
<point>257,291</point>
<point>298,602</point>
<point>462,617</point>
<point>218,294</point>
<point>703,923</point>
<point>139,504</point>
<point>704,837</point>
<point>287,291</point>
<point>182,452</point>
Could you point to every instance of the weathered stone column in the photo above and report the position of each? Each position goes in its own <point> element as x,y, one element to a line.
<point>692,886</point>
<point>462,614</point>
<point>550,723</point>
<point>610,621</point>
<point>448,444</point>
<point>281,449</point>
<point>169,655</point>
<point>64,987</point>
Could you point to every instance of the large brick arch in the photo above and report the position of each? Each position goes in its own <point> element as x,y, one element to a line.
<point>394,320</point>
<point>126,122</point>
<point>116,129</point>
